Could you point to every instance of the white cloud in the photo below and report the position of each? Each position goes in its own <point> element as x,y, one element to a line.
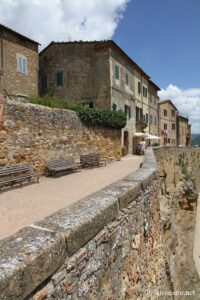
<point>186,101</point>
<point>62,20</point>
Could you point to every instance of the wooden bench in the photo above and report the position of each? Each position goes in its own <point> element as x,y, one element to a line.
<point>62,166</point>
<point>91,160</point>
<point>17,174</point>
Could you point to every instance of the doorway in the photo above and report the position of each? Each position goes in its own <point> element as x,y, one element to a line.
<point>126,142</point>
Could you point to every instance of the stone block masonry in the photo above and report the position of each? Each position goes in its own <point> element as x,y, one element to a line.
<point>179,169</point>
<point>176,164</point>
<point>105,246</point>
<point>36,134</point>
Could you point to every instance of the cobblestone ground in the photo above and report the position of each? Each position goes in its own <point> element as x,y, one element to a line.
<point>23,206</point>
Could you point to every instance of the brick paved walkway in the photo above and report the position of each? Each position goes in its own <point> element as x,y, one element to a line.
<point>22,207</point>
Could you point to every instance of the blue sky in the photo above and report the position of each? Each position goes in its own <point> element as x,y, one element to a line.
<point>162,36</point>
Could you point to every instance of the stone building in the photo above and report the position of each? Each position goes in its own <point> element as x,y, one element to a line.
<point>146,108</point>
<point>183,131</point>
<point>98,74</point>
<point>153,108</point>
<point>19,64</point>
<point>168,114</point>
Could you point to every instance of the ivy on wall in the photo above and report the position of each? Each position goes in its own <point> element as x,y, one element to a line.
<point>89,116</point>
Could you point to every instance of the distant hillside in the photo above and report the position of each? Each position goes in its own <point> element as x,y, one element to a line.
<point>196,139</point>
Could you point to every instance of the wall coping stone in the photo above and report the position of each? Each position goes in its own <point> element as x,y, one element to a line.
<point>34,253</point>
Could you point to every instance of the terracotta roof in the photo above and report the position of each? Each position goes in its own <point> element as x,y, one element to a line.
<point>168,101</point>
<point>17,33</point>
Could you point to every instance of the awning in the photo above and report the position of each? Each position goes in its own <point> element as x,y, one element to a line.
<point>152,137</point>
<point>140,134</point>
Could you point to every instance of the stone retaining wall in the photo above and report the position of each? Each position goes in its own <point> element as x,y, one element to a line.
<point>179,169</point>
<point>106,246</point>
<point>35,134</point>
<point>196,249</point>
<point>178,163</point>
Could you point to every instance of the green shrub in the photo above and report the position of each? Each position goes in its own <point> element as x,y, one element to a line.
<point>89,116</point>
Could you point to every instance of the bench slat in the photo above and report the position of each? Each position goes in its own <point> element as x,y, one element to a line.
<point>17,173</point>
<point>61,166</point>
<point>91,160</point>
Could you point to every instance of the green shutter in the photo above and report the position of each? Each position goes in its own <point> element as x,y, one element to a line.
<point>59,78</point>
<point>126,79</point>
<point>116,72</point>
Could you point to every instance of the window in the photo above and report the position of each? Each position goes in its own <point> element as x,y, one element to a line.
<point>44,83</point>
<point>151,119</point>
<point>165,126</point>
<point>127,110</point>
<point>138,114</point>
<point>155,121</point>
<point>91,104</point>
<point>45,60</point>
<point>147,118</point>
<point>21,64</point>
<point>144,91</point>
<point>59,78</point>
<point>117,72</point>
<point>139,87</point>
<point>127,81</point>
<point>173,113</point>
<point>173,126</point>
<point>168,141</point>
<point>165,112</point>
<point>114,107</point>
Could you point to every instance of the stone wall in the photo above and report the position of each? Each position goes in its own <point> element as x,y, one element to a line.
<point>106,246</point>
<point>177,163</point>
<point>85,72</point>
<point>36,134</point>
<point>168,135</point>
<point>179,169</point>
<point>15,83</point>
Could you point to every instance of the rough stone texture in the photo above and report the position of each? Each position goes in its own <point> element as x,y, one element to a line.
<point>2,106</point>
<point>26,259</point>
<point>180,169</point>
<point>14,82</point>
<point>183,131</point>
<point>36,134</point>
<point>124,261</point>
<point>88,70</point>
<point>85,72</point>
<point>178,164</point>
<point>83,220</point>
<point>169,137</point>
<point>196,250</point>
<point>153,110</point>
<point>113,251</point>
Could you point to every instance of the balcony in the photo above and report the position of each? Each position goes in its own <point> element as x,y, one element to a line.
<point>140,125</point>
